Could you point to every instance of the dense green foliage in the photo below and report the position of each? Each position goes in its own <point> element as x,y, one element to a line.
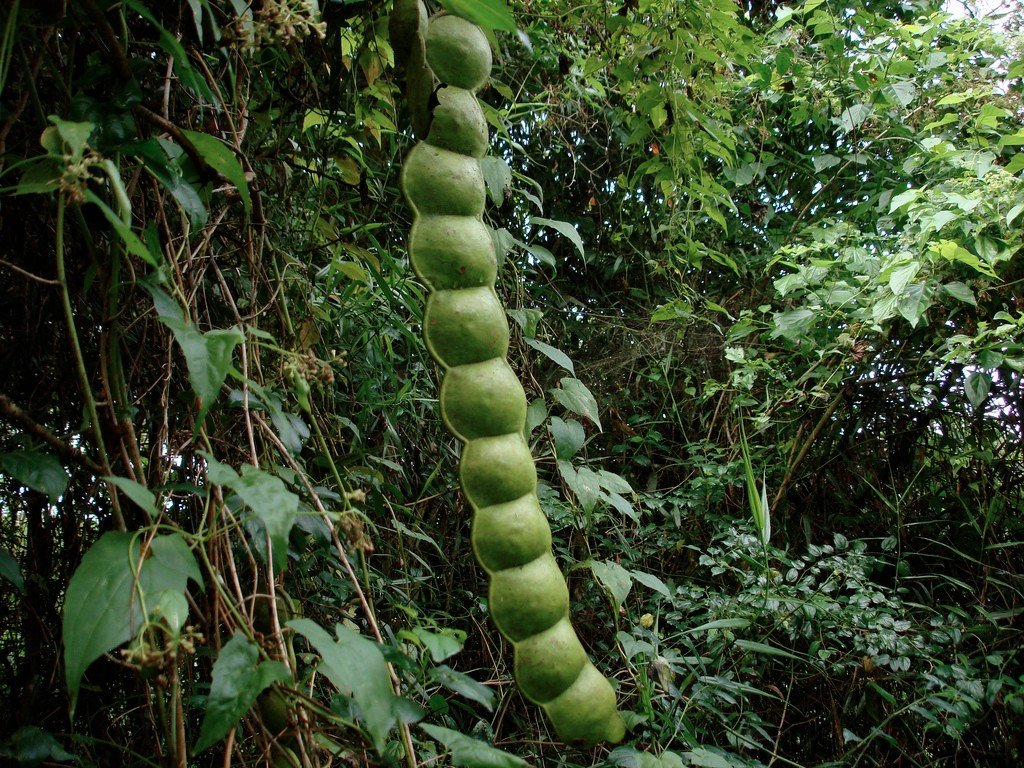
<point>763,269</point>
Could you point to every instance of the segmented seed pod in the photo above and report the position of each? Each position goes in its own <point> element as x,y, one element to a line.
<point>482,401</point>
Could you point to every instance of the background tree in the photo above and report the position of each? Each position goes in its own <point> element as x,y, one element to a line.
<point>763,267</point>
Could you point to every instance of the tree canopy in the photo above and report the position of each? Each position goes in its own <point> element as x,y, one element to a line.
<point>762,265</point>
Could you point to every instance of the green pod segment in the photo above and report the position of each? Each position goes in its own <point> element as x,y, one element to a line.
<point>497,470</point>
<point>458,52</point>
<point>483,400</point>
<point>528,599</point>
<point>458,123</point>
<point>407,26</point>
<point>439,181</point>
<point>547,663</point>
<point>465,325</point>
<point>510,534</point>
<point>453,252</point>
<point>585,713</point>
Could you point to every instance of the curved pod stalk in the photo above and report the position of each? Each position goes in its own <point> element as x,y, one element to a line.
<point>482,401</point>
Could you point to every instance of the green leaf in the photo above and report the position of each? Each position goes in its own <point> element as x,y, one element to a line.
<point>614,578</point>
<point>651,581</point>
<point>441,645</point>
<point>11,570</point>
<point>464,685</point>
<point>497,177</point>
<point>103,607</point>
<point>794,324</point>
<point>568,437</point>
<point>39,471</point>
<point>573,395</point>
<point>356,667</point>
<point>853,116</point>
<point>238,679</point>
<point>977,386</point>
<point>901,276</point>
<point>583,483</point>
<point>276,506</point>
<point>132,243</point>
<point>137,492</point>
<point>488,14</point>
<point>207,355</point>
<point>557,356</point>
<point>719,624</point>
<point>564,228</point>
<point>914,303</point>
<point>472,753</point>
<point>767,650</point>
<point>222,159</point>
<point>32,746</point>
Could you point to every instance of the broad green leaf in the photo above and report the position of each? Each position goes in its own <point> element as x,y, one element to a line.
<point>903,199</point>
<point>614,578</point>
<point>954,252</point>
<point>222,159</point>
<point>794,324</point>
<point>488,14</point>
<point>853,116</point>
<point>914,303</point>
<point>557,356</point>
<point>902,92</point>
<point>98,605</point>
<point>574,396</point>
<point>11,570</point>
<point>163,158</point>
<point>103,607</point>
<point>441,645</point>
<point>564,228</point>
<point>613,483</point>
<point>356,667</point>
<point>217,472</point>
<point>621,505</point>
<point>651,581</point>
<point>583,483</point>
<point>468,752</point>
<point>207,355</point>
<point>902,275</point>
<point>977,386</point>
<point>169,565</point>
<point>39,471</point>
<point>137,492</point>
<point>464,685</point>
<point>170,606</point>
<point>822,162</point>
<point>238,679</point>
<point>497,177</point>
<point>568,436</point>
<point>276,506</point>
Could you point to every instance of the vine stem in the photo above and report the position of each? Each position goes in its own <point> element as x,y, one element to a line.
<point>83,376</point>
<point>371,620</point>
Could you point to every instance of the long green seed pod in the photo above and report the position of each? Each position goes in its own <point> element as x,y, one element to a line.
<point>482,401</point>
